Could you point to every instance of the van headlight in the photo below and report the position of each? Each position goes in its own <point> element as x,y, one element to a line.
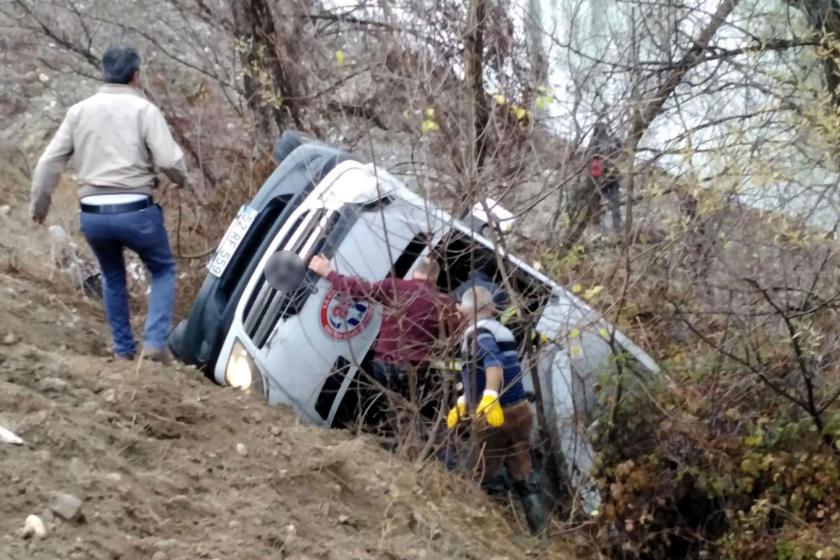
<point>241,371</point>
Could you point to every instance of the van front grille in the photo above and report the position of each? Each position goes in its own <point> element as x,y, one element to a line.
<point>266,305</point>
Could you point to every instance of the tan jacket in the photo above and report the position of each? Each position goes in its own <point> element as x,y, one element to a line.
<point>118,141</point>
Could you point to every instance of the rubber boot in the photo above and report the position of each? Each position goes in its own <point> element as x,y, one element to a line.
<point>496,488</point>
<point>534,505</point>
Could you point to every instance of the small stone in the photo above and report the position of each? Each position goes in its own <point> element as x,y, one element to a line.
<point>33,526</point>
<point>241,449</point>
<point>159,555</point>
<point>113,477</point>
<point>234,524</point>
<point>67,507</point>
<point>89,406</point>
<point>109,396</point>
<point>343,519</point>
<point>166,544</point>
<point>52,384</point>
<point>9,339</point>
<point>276,431</point>
<point>8,436</point>
<point>5,209</point>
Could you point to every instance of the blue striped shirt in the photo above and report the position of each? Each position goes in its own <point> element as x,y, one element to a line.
<point>491,344</point>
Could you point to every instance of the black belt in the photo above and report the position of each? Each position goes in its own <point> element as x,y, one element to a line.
<point>117,208</point>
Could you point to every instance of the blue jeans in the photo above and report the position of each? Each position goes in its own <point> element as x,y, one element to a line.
<point>143,232</point>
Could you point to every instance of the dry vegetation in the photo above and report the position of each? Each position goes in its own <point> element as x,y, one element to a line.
<point>735,453</point>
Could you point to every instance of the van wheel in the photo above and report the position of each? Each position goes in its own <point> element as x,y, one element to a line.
<point>288,142</point>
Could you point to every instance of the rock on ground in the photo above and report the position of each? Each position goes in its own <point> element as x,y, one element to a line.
<point>67,507</point>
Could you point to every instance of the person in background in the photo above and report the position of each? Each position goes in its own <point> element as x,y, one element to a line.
<point>118,142</point>
<point>602,154</point>
<point>414,316</point>
<point>496,400</point>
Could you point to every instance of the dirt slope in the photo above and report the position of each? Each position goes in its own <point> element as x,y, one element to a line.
<point>170,466</point>
<point>166,462</point>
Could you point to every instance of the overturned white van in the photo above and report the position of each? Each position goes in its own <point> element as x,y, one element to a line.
<point>294,340</point>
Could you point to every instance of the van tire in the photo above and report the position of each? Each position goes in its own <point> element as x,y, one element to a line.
<point>288,142</point>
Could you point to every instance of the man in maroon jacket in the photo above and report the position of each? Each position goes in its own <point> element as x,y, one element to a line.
<point>414,316</point>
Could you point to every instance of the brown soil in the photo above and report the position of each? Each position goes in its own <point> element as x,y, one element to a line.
<point>170,466</point>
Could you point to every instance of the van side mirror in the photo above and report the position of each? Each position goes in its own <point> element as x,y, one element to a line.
<point>284,271</point>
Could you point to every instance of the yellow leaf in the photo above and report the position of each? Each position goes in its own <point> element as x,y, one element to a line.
<point>577,288</point>
<point>430,112</point>
<point>754,440</point>
<point>519,112</point>
<point>604,333</point>
<point>576,351</point>
<point>429,126</point>
<point>574,333</point>
<point>540,103</point>
<point>592,292</point>
<point>339,57</point>
<point>500,99</point>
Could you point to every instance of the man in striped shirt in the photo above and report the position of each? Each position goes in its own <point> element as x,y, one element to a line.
<point>493,393</point>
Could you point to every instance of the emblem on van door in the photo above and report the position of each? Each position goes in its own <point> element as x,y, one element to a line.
<point>342,317</point>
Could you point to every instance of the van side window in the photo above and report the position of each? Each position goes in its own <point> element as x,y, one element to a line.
<point>410,254</point>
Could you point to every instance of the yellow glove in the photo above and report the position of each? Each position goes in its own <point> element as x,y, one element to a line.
<point>490,408</point>
<point>458,412</point>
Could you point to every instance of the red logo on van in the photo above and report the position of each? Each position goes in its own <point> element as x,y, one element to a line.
<point>342,317</point>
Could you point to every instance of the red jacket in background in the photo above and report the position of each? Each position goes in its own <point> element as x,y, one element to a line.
<point>596,167</point>
<point>415,316</point>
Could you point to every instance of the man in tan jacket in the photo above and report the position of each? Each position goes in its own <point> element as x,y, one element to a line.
<point>118,142</point>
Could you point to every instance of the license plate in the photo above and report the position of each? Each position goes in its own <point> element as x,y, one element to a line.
<point>230,242</point>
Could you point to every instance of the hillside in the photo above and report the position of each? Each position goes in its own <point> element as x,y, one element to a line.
<point>170,466</point>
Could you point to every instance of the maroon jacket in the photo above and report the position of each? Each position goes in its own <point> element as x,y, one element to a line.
<point>415,316</point>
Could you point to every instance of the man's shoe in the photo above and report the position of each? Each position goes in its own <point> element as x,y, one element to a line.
<point>123,357</point>
<point>159,355</point>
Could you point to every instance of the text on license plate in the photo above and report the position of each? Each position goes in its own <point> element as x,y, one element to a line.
<point>230,242</point>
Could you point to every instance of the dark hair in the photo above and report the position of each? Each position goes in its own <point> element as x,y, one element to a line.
<point>119,64</point>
